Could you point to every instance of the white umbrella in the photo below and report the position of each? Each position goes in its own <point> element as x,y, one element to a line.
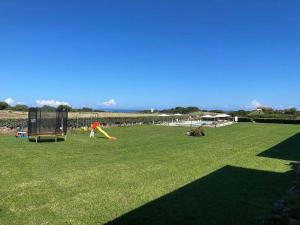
<point>222,115</point>
<point>207,116</point>
<point>163,115</point>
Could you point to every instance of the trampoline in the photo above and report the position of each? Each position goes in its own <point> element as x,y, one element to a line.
<point>49,124</point>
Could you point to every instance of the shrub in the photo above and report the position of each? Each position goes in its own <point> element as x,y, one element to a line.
<point>197,132</point>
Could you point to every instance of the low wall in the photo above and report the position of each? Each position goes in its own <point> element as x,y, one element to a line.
<point>8,130</point>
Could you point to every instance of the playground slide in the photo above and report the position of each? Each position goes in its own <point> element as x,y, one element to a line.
<point>104,133</point>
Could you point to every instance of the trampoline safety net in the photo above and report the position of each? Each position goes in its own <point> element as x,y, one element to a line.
<point>42,122</point>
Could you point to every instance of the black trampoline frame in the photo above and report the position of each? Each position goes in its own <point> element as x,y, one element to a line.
<point>48,124</point>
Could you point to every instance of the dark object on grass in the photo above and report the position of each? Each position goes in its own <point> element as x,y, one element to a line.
<point>197,132</point>
<point>42,123</point>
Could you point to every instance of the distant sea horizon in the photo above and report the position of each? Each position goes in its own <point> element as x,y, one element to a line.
<point>122,110</point>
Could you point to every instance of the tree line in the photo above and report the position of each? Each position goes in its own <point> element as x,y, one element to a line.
<point>18,107</point>
<point>178,109</point>
<point>266,111</point>
<point>24,108</point>
<point>260,111</point>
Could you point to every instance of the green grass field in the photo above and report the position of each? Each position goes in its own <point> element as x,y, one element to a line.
<point>151,175</point>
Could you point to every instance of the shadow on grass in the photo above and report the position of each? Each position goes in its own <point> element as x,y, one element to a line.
<point>105,138</point>
<point>228,196</point>
<point>45,139</point>
<point>287,150</point>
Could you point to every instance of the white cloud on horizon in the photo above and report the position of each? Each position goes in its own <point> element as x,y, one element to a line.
<point>254,104</point>
<point>9,101</point>
<point>109,103</point>
<point>51,102</point>
<point>279,107</point>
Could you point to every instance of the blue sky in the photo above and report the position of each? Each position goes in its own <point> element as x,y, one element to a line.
<point>140,54</point>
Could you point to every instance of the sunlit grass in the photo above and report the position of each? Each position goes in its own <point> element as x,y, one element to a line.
<point>93,181</point>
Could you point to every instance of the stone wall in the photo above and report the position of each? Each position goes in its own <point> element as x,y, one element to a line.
<point>7,130</point>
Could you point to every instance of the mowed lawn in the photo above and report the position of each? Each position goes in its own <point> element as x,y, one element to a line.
<point>151,175</point>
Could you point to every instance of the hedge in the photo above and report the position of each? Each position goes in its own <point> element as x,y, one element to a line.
<point>281,121</point>
<point>245,119</point>
<point>269,120</point>
<point>12,123</point>
<point>118,121</point>
<point>274,116</point>
<point>121,120</point>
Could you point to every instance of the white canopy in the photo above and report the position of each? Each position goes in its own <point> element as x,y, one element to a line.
<point>222,115</point>
<point>207,116</point>
<point>178,114</point>
<point>163,115</point>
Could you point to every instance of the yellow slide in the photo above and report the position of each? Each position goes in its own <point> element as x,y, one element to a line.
<point>105,134</point>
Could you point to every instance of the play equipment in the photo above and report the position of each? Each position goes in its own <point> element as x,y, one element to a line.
<point>84,128</point>
<point>97,126</point>
<point>51,124</point>
<point>21,133</point>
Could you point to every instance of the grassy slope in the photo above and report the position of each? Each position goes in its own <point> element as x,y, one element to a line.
<point>83,181</point>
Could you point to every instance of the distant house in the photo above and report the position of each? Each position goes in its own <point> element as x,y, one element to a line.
<point>259,109</point>
<point>262,109</point>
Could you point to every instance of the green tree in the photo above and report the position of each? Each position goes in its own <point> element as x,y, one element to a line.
<point>240,113</point>
<point>181,110</point>
<point>292,111</point>
<point>217,111</point>
<point>48,108</point>
<point>85,109</point>
<point>3,105</point>
<point>98,110</point>
<point>67,107</point>
<point>20,107</point>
